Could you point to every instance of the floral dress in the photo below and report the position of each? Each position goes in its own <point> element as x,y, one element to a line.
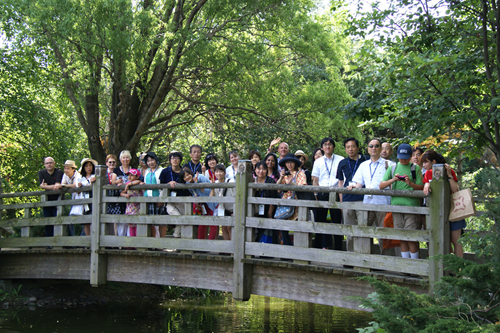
<point>296,178</point>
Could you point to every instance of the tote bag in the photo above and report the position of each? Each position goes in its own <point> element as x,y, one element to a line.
<point>462,205</point>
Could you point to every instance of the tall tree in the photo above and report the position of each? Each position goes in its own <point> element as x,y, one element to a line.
<point>136,69</point>
<point>433,68</point>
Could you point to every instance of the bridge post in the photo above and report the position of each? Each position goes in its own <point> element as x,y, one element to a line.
<point>439,227</point>
<point>98,262</point>
<point>242,273</point>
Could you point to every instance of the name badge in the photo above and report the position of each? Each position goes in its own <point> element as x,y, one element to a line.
<point>220,210</point>
<point>173,194</point>
<point>369,195</point>
<point>261,209</point>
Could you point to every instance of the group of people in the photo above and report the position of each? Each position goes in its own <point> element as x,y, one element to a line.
<point>413,171</point>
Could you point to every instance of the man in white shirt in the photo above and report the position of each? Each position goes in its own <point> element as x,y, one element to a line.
<point>370,174</point>
<point>324,173</point>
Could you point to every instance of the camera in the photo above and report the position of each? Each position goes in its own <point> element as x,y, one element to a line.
<point>401,178</point>
<point>287,173</point>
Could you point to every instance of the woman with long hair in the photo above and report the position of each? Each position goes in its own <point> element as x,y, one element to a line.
<point>210,162</point>
<point>291,174</point>
<point>87,172</point>
<point>271,161</point>
<point>429,158</point>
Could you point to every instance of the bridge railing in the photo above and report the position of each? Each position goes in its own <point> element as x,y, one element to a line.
<point>242,245</point>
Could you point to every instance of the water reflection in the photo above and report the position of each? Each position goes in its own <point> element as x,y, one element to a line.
<point>260,314</point>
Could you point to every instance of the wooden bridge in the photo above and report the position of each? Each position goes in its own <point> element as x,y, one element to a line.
<point>245,267</point>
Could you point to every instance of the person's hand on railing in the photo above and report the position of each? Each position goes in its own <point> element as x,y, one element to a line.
<point>427,188</point>
<point>172,183</point>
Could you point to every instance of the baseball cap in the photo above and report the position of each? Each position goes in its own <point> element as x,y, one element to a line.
<point>134,172</point>
<point>404,151</point>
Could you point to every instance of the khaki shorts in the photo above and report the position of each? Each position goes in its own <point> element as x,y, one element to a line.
<point>407,221</point>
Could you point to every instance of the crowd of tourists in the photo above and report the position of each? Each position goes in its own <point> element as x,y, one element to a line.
<point>375,170</point>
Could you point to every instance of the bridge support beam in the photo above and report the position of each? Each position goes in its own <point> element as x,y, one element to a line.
<point>98,262</point>
<point>439,243</point>
<point>242,273</point>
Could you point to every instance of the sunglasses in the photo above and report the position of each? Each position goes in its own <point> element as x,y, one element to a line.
<point>373,146</point>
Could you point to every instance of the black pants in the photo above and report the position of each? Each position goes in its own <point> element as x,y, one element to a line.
<point>325,240</point>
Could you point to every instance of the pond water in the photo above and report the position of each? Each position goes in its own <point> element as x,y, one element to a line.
<point>259,314</point>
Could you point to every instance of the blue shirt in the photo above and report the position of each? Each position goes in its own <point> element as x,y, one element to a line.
<point>345,171</point>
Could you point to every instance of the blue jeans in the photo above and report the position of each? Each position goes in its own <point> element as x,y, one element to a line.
<point>49,212</point>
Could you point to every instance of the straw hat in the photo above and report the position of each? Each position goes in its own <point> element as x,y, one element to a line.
<point>70,163</point>
<point>301,153</point>
<point>85,160</point>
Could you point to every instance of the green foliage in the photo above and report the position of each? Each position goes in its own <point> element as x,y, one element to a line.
<point>144,74</point>
<point>373,328</point>
<point>191,293</point>
<point>11,296</point>
<point>424,72</point>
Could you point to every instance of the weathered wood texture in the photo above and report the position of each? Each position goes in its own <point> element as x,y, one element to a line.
<point>328,287</point>
<point>172,271</point>
<point>54,264</point>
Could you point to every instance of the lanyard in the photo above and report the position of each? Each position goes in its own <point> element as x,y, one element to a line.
<point>172,175</point>
<point>196,166</point>
<point>373,173</point>
<point>331,166</point>
<point>355,166</point>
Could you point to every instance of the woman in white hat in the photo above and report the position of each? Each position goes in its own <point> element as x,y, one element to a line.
<point>87,171</point>
<point>303,159</point>
<point>291,174</point>
<point>70,177</point>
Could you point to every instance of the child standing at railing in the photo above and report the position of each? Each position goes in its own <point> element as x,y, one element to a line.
<point>132,208</point>
<point>223,209</point>
<point>405,176</point>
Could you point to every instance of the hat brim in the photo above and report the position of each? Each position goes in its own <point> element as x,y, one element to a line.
<point>404,156</point>
<point>290,159</point>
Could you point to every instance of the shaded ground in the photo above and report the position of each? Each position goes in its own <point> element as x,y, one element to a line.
<point>70,294</point>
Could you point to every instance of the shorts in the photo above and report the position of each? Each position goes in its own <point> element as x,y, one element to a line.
<point>457,225</point>
<point>407,221</point>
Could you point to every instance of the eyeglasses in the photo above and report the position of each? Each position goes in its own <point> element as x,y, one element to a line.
<point>49,163</point>
<point>327,144</point>
<point>112,162</point>
<point>373,146</point>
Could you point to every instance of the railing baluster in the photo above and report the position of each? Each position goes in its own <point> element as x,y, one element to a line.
<point>302,239</point>
<point>439,227</point>
<point>98,262</point>
<point>242,273</point>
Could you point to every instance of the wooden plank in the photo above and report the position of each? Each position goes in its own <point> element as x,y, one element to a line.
<point>169,243</point>
<point>41,221</point>
<point>339,229</point>
<point>168,270</point>
<point>332,289</point>
<point>343,190</point>
<point>169,199</point>
<point>169,219</point>
<point>188,231</point>
<point>47,204</point>
<point>98,261</point>
<point>242,273</point>
<point>302,239</point>
<point>45,241</point>
<point>27,231</point>
<point>338,258</point>
<point>70,266</point>
<point>362,244</point>
<point>61,229</point>
<point>341,205</point>
<point>439,227</point>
